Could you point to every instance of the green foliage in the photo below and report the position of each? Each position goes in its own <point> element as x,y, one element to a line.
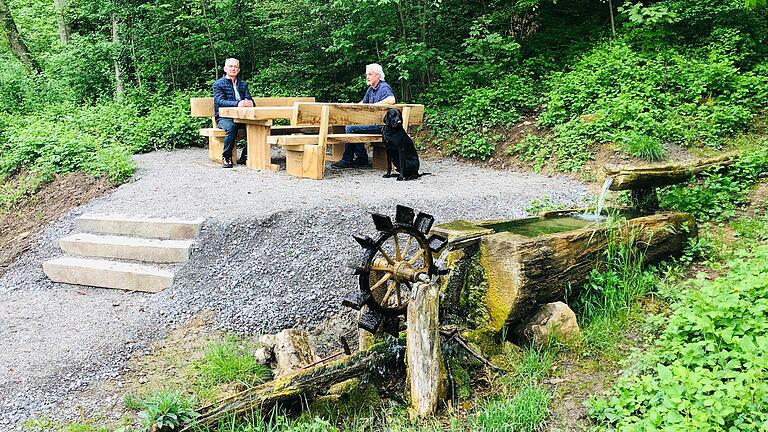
<point>543,204</point>
<point>623,281</point>
<point>525,412</point>
<point>708,368</point>
<point>228,361</point>
<point>720,190</point>
<point>643,146</point>
<point>166,409</point>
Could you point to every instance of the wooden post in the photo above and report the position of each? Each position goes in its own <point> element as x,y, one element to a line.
<point>424,360</point>
<point>259,155</point>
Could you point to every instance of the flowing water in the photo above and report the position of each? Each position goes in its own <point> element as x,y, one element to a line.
<point>601,198</point>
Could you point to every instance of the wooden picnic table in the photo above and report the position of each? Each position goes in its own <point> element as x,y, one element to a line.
<point>258,122</point>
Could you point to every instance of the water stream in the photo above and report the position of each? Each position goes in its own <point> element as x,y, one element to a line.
<point>601,198</point>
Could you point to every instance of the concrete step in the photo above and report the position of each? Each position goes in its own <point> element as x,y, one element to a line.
<point>132,248</point>
<point>107,274</point>
<point>139,226</point>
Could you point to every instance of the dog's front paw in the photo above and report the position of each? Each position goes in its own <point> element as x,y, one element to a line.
<point>387,175</point>
<point>400,178</point>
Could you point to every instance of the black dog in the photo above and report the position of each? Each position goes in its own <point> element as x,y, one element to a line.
<point>400,149</point>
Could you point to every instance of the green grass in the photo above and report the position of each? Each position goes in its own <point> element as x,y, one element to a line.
<point>525,412</point>
<point>643,147</point>
<point>228,361</point>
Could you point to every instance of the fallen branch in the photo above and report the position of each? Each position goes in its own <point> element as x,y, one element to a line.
<point>382,358</point>
<point>454,335</point>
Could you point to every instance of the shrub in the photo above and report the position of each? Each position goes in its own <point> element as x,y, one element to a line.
<point>708,368</point>
<point>166,410</point>
<point>643,146</point>
<point>720,190</point>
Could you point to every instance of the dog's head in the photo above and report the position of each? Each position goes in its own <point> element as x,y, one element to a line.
<point>393,118</point>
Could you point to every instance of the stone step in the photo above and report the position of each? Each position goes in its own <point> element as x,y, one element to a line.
<point>132,248</point>
<point>107,274</point>
<point>139,226</point>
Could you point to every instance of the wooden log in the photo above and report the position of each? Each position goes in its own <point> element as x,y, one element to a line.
<point>383,358</point>
<point>522,273</point>
<point>648,176</point>
<point>424,366</point>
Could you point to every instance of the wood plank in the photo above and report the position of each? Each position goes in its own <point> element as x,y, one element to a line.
<point>352,113</point>
<point>257,113</point>
<point>201,107</point>
<point>280,101</point>
<point>289,140</point>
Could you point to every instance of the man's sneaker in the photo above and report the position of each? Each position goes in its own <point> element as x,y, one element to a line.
<point>342,164</point>
<point>226,162</point>
<point>360,163</point>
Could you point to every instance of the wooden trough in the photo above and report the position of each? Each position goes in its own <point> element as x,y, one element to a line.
<point>526,263</point>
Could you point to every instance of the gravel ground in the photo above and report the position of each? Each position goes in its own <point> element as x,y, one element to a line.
<point>272,255</point>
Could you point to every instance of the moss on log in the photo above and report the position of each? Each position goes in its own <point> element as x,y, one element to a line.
<point>650,176</point>
<point>382,359</point>
<point>523,273</point>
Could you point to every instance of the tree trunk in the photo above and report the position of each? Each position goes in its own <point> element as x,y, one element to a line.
<point>210,40</point>
<point>61,8</point>
<point>425,369</point>
<point>386,357</point>
<point>655,175</point>
<point>518,274</point>
<point>18,47</point>
<point>116,55</point>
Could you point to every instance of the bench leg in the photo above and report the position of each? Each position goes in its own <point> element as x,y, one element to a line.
<point>215,148</point>
<point>337,152</point>
<point>259,155</point>
<point>313,163</point>
<point>294,162</point>
<point>379,157</point>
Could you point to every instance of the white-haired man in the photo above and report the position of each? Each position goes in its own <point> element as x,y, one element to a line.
<point>379,92</point>
<point>230,91</point>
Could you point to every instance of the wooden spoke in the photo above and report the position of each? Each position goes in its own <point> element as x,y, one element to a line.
<point>381,269</point>
<point>398,256</point>
<point>390,287</point>
<point>398,295</point>
<point>381,281</point>
<point>416,257</point>
<point>386,257</point>
<point>408,244</point>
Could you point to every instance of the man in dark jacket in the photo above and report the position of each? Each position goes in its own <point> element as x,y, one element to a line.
<point>229,91</point>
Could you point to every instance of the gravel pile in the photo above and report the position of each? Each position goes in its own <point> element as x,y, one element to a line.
<point>272,254</point>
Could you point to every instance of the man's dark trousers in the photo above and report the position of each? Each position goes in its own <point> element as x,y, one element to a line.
<point>352,150</point>
<point>229,141</point>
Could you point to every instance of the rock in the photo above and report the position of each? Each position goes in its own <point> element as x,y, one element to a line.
<point>264,355</point>
<point>552,320</point>
<point>292,351</point>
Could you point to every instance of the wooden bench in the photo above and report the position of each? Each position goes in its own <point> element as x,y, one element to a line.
<point>203,107</point>
<point>305,155</point>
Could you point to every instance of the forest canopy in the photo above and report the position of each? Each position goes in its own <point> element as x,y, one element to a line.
<point>83,84</point>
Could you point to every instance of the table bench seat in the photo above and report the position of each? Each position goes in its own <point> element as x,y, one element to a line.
<point>213,132</point>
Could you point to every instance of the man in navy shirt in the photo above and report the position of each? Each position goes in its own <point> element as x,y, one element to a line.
<point>379,92</point>
<point>229,91</point>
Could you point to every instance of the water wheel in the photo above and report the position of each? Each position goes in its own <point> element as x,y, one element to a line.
<point>399,256</point>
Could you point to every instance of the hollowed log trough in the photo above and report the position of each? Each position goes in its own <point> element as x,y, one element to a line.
<point>521,272</point>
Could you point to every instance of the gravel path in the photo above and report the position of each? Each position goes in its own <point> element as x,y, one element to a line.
<point>272,255</point>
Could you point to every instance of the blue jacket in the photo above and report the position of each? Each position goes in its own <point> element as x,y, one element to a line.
<point>224,94</point>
